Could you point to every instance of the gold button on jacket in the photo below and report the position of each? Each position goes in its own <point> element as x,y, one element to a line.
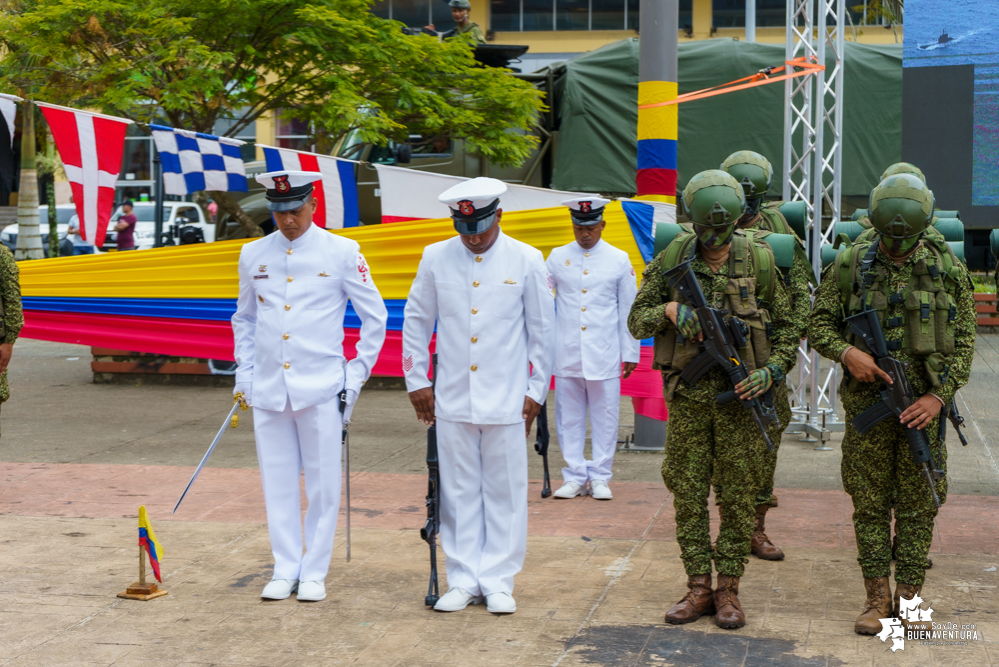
<point>287,365</point>
<point>474,367</point>
<point>287,306</point>
<point>285,336</point>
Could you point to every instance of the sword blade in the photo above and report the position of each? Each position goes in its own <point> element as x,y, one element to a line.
<point>204,459</point>
<point>346,460</point>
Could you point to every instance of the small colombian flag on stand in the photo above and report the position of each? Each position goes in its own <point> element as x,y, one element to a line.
<point>147,539</point>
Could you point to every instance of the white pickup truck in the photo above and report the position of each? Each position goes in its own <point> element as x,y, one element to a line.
<point>183,223</point>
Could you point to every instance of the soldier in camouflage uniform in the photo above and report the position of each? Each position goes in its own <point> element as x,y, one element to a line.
<point>736,273</point>
<point>11,315</point>
<point>755,174</point>
<point>924,300</point>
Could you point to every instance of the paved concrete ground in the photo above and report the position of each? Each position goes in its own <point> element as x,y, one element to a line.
<point>79,458</point>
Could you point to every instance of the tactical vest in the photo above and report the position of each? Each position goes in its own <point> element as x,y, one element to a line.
<point>775,222</point>
<point>774,219</point>
<point>929,300</point>
<point>748,294</point>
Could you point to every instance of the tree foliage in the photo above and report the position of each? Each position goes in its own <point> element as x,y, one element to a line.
<point>331,63</point>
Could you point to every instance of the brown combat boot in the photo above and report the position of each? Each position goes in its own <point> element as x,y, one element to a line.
<point>761,545</point>
<point>728,611</point>
<point>908,591</point>
<point>878,606</point>
<point>697,602</point>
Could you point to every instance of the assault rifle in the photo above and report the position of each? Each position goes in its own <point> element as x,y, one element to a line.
<point>541,447</point>
<point>433,524</point>
<point>950,412</point>
<point>722,341</point>
<point>895,398</point>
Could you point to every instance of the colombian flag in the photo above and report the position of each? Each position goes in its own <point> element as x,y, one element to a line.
<point>147,539</point>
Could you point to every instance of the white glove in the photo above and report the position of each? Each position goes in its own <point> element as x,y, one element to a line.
<point>349,407</point>
<point>247,389</point>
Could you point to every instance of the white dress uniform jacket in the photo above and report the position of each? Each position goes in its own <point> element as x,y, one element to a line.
<point>594,290</point>
<point>495,315</point>
<point>288,325</point>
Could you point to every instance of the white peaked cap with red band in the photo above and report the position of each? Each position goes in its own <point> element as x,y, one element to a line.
<point>477,194</point>
<point>586,210</point>
<point>288,190</point>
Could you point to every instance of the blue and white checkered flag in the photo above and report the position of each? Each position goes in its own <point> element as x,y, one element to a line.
<point>193,161</point>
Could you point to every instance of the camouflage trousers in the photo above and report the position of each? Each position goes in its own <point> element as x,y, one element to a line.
<point>878,473</point>
<point>765,496</point>
<point>705,438</point>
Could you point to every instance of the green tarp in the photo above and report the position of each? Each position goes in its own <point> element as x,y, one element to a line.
<point>596,99</point>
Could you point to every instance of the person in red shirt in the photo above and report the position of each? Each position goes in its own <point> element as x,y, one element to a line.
<point>126,227</point>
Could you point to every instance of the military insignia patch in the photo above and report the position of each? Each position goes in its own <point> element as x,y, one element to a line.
<point>281,184</point>
<point>363,272</point>
<point>585,206</point>
<point>261,298</point>
<point>324,275</point>
<point>466,207</point>
<point>509,281</point>
<point>263,277</point>
<point>262,268</point>
<point>407,363</point>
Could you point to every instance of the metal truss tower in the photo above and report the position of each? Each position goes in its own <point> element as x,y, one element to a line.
<point>813,159</point>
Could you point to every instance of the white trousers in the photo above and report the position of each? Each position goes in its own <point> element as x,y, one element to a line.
<point>288,442</point>
<point>603,399</point>
<point>483,504</point>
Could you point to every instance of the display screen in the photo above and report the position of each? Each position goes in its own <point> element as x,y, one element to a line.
<point>950,126</point>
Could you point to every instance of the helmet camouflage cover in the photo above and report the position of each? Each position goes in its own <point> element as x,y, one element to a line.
<point>901,208</point>
<point>903,168</point>
<point>714,202</point>
<point>752,171</point>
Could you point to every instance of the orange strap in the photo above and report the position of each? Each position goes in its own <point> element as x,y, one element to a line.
<point>761,78</point>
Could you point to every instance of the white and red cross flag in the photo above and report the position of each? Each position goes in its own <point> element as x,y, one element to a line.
<point>90,145</point>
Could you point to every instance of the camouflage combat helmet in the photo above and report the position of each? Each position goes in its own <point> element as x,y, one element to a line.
<point>901,208</point>
<point>714,202</point>
<point>753,172</point>
<point>903,168</point>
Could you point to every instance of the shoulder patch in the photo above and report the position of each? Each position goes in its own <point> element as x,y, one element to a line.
<point>363,274</point>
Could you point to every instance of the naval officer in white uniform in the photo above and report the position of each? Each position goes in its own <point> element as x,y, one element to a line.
<point>288,327</point>
<point>495,315</point>
<point>594,288</point>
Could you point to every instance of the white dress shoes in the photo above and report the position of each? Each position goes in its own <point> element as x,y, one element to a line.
<point>600,490</point>
<point>500,603</point>
<point>570,490</point>
<point>457,599</point>
<point>311,591</point>
<point>279,589</point>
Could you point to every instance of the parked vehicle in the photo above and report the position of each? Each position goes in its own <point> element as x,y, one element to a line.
<point>183,223</point>
<point>8,236</point>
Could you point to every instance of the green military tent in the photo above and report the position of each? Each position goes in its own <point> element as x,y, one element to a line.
<point>596,101</point>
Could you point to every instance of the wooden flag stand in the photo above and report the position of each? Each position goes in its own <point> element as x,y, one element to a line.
<point>141,590</point>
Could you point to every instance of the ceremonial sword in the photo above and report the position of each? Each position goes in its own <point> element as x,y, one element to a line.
<point>345,434</point>
<point>228,420</point>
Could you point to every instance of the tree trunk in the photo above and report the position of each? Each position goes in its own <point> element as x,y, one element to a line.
<point>228,204</point>
<point>29,239</point>
<point>53,219</point>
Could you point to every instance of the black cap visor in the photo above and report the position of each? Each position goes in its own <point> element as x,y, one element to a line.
<point>587,219</point>
<point>291,200</point>
<point>469,227</point>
